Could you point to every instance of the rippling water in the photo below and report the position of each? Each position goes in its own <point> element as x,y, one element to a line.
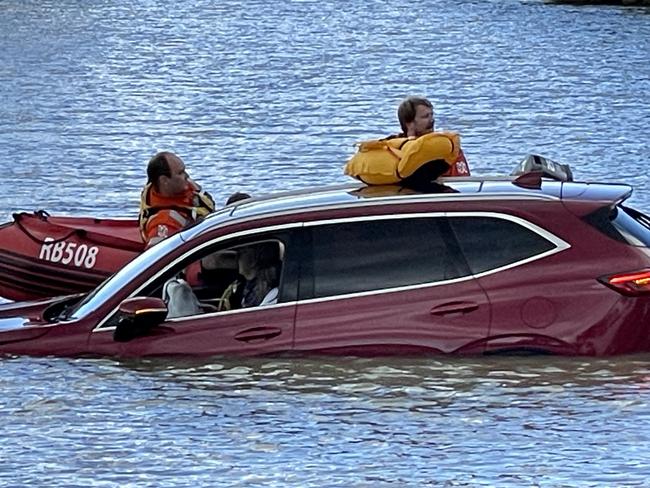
<point>261,97</point>
<point>348,422</point>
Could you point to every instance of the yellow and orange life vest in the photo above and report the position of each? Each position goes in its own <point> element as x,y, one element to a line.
<point>392,160</point>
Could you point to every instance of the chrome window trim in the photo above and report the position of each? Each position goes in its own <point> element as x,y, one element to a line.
<point>384,291</point>
<point>560,245</point>
<point>99,329</point>
<point>194,250</point>
<point>375,201</point>
<point>104,292</point>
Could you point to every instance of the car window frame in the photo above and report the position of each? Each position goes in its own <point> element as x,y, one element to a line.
<point>559,243</point>
<point>224,242</point>
<point>302,254</point>
<point>110,287</point>
<point>306,292</point>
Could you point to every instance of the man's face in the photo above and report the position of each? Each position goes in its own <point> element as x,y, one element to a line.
<point>423,122</point>
<point>177,182</point>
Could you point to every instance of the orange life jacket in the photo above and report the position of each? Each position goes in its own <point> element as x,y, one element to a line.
<point>162,216</point>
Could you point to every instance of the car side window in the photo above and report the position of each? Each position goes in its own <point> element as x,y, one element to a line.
<point>368,255</point>
<point>491,242</point>
<point>240,275</point>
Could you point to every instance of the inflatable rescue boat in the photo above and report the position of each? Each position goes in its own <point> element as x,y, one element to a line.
<point>44,256</point>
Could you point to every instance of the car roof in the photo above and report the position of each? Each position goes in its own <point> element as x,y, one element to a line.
<point>526,187</point>
<point>457,188</point>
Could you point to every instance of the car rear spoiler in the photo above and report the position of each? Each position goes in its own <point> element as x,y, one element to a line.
<point>530,171</point>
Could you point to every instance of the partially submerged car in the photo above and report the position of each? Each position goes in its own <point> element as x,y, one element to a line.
<point>470,266</point>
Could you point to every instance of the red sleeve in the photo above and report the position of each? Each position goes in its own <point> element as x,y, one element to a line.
<point>159,227</point>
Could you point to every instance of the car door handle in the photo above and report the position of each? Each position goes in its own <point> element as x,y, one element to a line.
<point>258,334</point>
<point>454,308</point>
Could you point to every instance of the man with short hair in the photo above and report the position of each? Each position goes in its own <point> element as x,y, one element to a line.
<point>416,118</point>
<point>170,200</point>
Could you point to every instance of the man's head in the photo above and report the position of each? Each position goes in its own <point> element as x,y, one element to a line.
<point>166,172</point>
<point>415,115</point>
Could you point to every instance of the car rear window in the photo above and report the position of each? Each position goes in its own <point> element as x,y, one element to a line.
<point>633,225</point>
<point>622,223</point>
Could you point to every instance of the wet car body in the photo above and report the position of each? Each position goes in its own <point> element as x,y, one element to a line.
<point>474,266</point>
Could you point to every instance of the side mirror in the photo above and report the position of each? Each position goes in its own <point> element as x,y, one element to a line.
<point>138,315</point>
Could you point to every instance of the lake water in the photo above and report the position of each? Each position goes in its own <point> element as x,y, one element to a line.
<point>266,96</point>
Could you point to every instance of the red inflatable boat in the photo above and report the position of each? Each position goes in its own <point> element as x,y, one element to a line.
<point>43,256</point>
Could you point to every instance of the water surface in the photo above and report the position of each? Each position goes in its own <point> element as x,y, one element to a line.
<point>262,97</point>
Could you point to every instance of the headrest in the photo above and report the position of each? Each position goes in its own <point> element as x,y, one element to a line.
<point>220,260</point>
<point>267,253</point>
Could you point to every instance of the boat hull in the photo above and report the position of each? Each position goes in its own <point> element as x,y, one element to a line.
<point>43,256</point>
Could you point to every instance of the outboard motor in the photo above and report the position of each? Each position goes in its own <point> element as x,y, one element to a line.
<point>534,163</point>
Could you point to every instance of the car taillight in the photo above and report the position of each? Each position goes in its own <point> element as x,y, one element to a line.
<point>635,283</point>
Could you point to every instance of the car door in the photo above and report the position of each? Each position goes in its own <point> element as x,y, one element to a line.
<point>391,284</point>
<point>261,329</point>
<point>537,302</point>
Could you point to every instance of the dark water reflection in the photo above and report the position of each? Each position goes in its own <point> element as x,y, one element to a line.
<point>261,97</point>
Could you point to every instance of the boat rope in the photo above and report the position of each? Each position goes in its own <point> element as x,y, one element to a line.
<point>42,214</point>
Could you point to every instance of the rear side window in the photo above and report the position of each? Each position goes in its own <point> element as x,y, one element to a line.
<point>491,242</point>
<point>623,224</point>
<point>362,256</point>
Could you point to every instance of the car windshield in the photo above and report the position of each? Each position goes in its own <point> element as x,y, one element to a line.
<point>120,279</point>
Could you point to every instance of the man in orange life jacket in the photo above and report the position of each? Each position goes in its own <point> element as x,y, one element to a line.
<point>415,116</point>
<point>170,200</point>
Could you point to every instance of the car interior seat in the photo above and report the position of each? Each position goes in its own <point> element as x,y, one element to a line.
<point>265,260</point>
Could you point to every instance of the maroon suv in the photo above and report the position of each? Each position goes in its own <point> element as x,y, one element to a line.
<point>471,266</point>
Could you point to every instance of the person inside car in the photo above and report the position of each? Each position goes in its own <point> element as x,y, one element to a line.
<point>259,267</point>
<point>170,200</point>
<point>416,118</point>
